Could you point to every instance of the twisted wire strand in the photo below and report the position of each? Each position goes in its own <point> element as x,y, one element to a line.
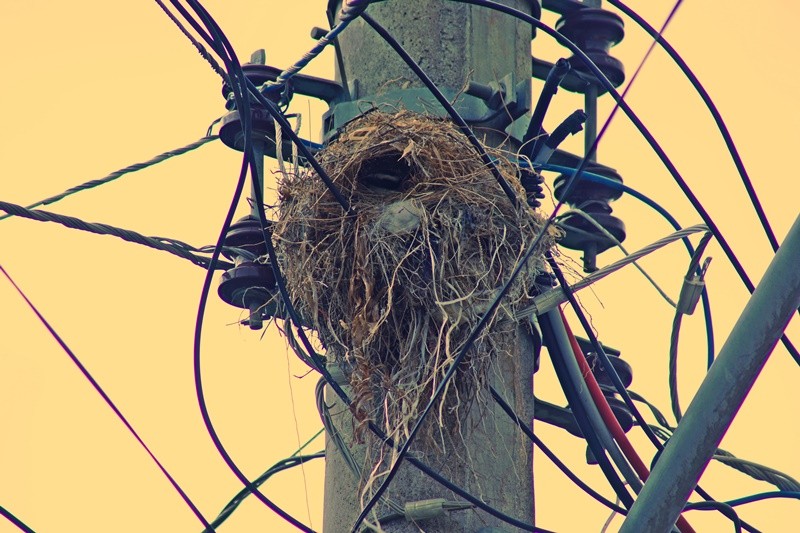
<point>555,297</point>
<point>182,250</point>
<point>119,173</point>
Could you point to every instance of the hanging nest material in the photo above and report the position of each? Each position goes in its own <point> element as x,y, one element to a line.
<point>394,291</point>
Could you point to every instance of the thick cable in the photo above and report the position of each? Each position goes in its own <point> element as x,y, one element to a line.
<point>550,455</point>
<point>14,520</point>
<point>231,62</point>
<point>666,161</point>
<point>119,173</point>
<point>712,108</point>
<point>445,103</point>
<point>578,409</point>
<point>612,374</point>
<point>106,398</point>
<point>555,297</point>
<point>609,417</point>
<point>351,9</point>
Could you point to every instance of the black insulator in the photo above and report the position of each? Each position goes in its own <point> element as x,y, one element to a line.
<point>247,234</point>
<point>593,199</point>
<point>250,286</point>
<point>595,31</point>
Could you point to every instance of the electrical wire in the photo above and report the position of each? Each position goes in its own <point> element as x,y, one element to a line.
<point>14,520</point>
<point>119,173</point>
<point>676,328</point>
<point>280,466</point>
<point>720,507</point>
<point>552,298</point>
<point>645,132</point>
<point>445,103</point>
<point>609,417</point>
<point>550,455</point>
<point>712,108</point>
<point>612,374</point>
<point>235,76</point>
<point>618,186</point>
<point>182,251</point>
<point>795,495</point>
<point>106,398</point>
<point>607,234</point>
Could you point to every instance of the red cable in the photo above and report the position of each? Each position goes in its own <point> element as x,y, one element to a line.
<point>611,420</point>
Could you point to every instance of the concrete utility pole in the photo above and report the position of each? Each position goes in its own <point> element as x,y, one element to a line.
<point>488,54</point>
<point>721,394</point>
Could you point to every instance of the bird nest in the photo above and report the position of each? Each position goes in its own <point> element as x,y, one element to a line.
<point>395,289</point>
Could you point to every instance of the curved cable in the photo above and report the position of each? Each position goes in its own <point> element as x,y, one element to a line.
<point>14,520</point>
<point>106,398</point>
<point>720,507</point>
<point>612,374</point>
<point>794,495</point>
<point>659,151</point>
<point>118,174</point>
<point>712,108</point>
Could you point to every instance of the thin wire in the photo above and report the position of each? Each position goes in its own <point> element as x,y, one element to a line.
<point>106,229</point>
<point>284,464</point>
<point>795,495</point>
<point>14,520</point>
<point>674,336</point>
<point>297,432</point>
<point>106,398</point>
<point>666,161</point>
<point>610,519</point>
<point>454,115</point>
<point>723,129</point>
<point>119,173</point>
<point>555,297</point>
<point>607,234</point>
<point>720,507</point>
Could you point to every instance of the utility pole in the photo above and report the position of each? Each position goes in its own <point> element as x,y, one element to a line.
<point>721,394</point>
<point>487,55</point>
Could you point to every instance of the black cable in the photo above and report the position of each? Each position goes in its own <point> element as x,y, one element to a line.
<point>676,328</point>
<point>280,466</point>
<point>535,132</point>
<point>445,103</point>
<point>312,355</point>
<point>720,507</point>
<point>723,128</point>
<point>612,374</point>
<point>243,105</point>
<point>666,161</point>
<point>550,455</point>
<point>14,520</point>
<point>106,398</point>
<point>119,173</point>
<point>580,414</point>
<point>106,229</point>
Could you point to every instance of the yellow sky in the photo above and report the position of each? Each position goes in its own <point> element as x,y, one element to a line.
<point>92,86</point>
